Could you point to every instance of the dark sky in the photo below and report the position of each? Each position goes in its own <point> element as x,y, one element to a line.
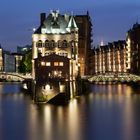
<point>111,18</point>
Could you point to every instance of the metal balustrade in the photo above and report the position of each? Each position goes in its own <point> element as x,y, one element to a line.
<point>12,76</point>
<point>113,77</point>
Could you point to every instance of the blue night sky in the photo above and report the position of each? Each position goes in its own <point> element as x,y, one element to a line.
<point>111,18</point>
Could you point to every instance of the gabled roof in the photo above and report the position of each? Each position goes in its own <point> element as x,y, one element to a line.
<point>56,23</point>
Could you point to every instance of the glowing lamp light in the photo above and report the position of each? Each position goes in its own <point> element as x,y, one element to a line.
<point>47,87</point>
<point>55,73</point>
<point>62,88</point>
<point>43,63</point>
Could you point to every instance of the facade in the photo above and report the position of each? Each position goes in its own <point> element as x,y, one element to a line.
<point>18,59</point>
<point>109,58</point>
<point>52,67</point>
<point>55,49</point>
<point>133,49</point>
<point>1,59</point>
<point>9,62</point>
<point>120,56</point>
<point>84,42</point>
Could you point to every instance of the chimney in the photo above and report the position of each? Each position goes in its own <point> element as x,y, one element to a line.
<point>42,18</point>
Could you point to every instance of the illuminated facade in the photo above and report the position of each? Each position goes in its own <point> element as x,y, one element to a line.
<point>9,62</point>
<point>18,59</point>
<point>55,51</point>
<point>110,58</point>
<point>133,49</point>
<point>120,56</point>
<point>1,59</point>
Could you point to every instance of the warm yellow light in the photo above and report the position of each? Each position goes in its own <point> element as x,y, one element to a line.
<point>56,64</point>
<point>55,72</point>
<point>47,87</point>
<point>48,64</point>
<point>62,88</point>
<point>42,63</point>
<point>61,64</point>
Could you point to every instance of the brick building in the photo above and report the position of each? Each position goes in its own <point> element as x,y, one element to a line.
<point>133,49</point>
<point>84,42</point>
<point>109,58</point>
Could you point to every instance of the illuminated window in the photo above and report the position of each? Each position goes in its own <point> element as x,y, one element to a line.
<point>55,73</point>
<point>42,63</point>
<point>56,64</point>
<point>48,64</point>
<point>61,64</point>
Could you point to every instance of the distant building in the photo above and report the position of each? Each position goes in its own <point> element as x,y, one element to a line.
<point>23,49</point>
<point>1,59</point>
<point>109,58</point>
<point>18,59</point>
<point>9,62</point>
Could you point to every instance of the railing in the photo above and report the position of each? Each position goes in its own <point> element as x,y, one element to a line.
<point>113,77</point>
<point>13,76</point>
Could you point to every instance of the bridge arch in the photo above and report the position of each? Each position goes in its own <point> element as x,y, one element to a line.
<point>113,77</point>
<point>15,77</point>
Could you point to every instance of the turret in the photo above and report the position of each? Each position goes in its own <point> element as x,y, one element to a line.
<point>72,26</point>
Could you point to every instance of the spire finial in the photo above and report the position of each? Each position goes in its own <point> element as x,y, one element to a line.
<point>102,43</point>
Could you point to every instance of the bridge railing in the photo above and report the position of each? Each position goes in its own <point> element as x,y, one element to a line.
<point>16,75</point>
<point>122,77</point>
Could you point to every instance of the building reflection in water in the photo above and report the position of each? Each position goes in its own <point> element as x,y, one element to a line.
<point>73,125</point>
<point>109,112</point>
<point>123,95</point>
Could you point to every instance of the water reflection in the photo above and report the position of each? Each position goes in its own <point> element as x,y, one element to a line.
<point>109,112</point>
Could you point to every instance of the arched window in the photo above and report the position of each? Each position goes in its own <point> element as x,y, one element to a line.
<point>59,43</point>
<point>72,46</point>
<point>47,43</point>
<point>39,43</point>
<point>52,43</point>
<point>64,44</point>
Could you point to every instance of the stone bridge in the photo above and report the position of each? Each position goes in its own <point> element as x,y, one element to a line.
<point>113,77</point>
<point>14,77</point>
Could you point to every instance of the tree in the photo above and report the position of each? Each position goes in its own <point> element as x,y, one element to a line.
<point>26,65</point>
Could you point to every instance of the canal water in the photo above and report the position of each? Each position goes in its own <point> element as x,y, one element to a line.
<point>108,112</point>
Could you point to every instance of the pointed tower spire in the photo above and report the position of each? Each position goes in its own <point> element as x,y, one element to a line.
<point>72,24</point>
